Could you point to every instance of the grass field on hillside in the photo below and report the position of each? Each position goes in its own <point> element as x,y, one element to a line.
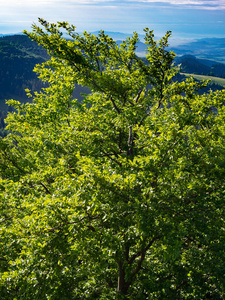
<point>217,80</point>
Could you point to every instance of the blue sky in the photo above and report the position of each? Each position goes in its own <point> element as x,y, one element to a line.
<point>186,18</point>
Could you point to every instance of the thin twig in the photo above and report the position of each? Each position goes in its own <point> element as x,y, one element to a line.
<point>6,219</point>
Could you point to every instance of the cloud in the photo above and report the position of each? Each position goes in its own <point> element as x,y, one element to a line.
<point>184,2</point>
<point>118,15</point>
<point>51,2</point>
<point>198,4</point>
<point>202,4</point>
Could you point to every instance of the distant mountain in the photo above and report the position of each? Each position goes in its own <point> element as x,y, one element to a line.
<point>115,35</point>
<point>208,48</point>
<point>10,34</point>
<point>141,48</point>
<point>191,64</point>
<point>119,35</point>
<point>211,50</point>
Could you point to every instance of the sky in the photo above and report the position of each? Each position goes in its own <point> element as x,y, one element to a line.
<point>187,19</point>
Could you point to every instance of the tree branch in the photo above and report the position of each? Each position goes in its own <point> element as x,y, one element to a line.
<point>47,190</point>
<point>6,219</point>
<point>141,253</point>
<point>138,95</point>
<point>115,106</point>
<point>113,159</point>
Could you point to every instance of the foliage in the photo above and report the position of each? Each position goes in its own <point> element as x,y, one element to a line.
<point>122,196</point>
<point>217,82</point>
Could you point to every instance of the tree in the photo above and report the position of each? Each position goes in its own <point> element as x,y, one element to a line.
<point>120,196</point>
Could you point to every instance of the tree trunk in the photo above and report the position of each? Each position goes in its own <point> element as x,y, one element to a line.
<point>123,285</point>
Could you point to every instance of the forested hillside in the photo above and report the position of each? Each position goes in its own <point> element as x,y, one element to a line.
<point>18,56</point>
<point>190,64</point>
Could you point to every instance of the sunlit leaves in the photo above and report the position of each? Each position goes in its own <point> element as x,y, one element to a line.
<point>120,196</point>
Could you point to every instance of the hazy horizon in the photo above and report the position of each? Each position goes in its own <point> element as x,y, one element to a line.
<point>187,19</point>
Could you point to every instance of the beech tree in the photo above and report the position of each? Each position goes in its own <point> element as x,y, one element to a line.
<point>120,196</point>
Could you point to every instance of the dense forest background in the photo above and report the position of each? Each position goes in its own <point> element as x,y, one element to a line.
<point>19,55</point>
